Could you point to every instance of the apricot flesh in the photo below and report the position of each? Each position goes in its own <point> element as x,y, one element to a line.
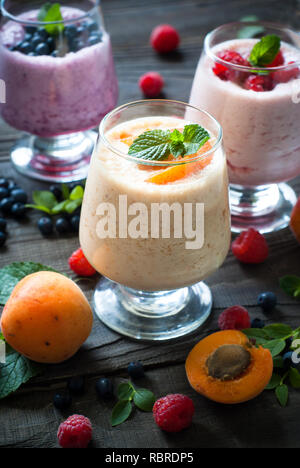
<point>295,220</point>
<point>47,317</point>
<point>252,380</point>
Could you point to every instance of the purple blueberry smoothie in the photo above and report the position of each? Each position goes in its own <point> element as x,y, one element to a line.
<point>65,92</point>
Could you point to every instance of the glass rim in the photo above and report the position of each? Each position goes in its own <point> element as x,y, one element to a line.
<point>145,162</point>
<point>266,24</point>
<point>14,18</point>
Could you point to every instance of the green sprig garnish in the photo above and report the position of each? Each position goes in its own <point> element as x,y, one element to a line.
<point>51,12</point>
<point>157,145</point>
<point>142,398</point>
<point>46,201</point>
<point>265,51</point>
<point>291,285</point>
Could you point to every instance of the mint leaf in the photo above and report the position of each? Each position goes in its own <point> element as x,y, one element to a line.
<point>282,394</point>
<point>195,136</point>
<point>291,285</point>
<point>45,201</point>
<point>152,145</point>
<point>249,31</point>
<point>274,382</point>
<point>278,362</point>
<point>121,412</point>
<point>258,334</point>
<point>39,208</point>
<point>278,330</point>
<point>265,51</point>
<point>50,14</point>
<point>144,399</point>
<point>16,371</point>
<point>294,376</point>
<point>275,347</point>
<point>11,274</point>
<point>43,11</point>
<point>77,193</point>
<point>65,191</point>
<point>125,391</point>
<point>44,198</point>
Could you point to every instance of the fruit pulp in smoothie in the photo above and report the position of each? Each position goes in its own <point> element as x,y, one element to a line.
<point>259,118</point>
<point>155,264</point>
<point>58,84</point>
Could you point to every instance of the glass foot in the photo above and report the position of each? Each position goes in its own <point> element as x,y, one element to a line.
<point>64,158</point>
<point>266,208</point>
<point>152,316</point>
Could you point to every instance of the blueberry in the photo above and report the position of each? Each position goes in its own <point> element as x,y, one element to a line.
<point>12,185</point>
<point>45,225</point>
<point>257,323</point>
<point>70,31</point>
<point>288,361</point>
<point>6,205</point>
<point>62,225</point>
<point>2,238</point>
<point>136,370</point>
<point>62,400</point>
<point>18,210</point>
<point>54,53</point>
<point>74,45</point>
<point>104,388</point>
<point>92,26</point>
<point>4,193</point>
<point>26,47</point>
<point>36,40</point>
<point>76,385</point>
<point>42,49</point>
<point>3,224</point>
<point>42,33</point>
<point>92,40</point>
<point>31,29</point>
<point>19,195</point>
<point>81,29</point>
<point>75,221</point>
<point>57,192</point>
<point>27,37</point>
<point>267,301</point>
<point>3,182</point>
<point>51,43</point>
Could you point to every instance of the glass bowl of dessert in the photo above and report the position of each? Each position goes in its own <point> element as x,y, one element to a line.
<point>252,87</point>
<point>57,65</point>
<point>155,217</point>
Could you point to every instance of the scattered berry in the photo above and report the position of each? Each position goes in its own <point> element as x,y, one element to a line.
<point>267,301</point>
<point>62,401</point>
<point>4,193</point>
<point>79,264</point>
<point>76,385</point>
<point>259,83</point>
<point>104,388</point>
<point>2,225</point>
<point>3,182</point>
<point>151,84</point>
<point>164,38</point>
<point>75,432</point>
<point>62,225</point>
<point>257,323</point>
<point>250,247</point>
<point>6,205</point>
<point>174,412</point>
<point>45,225</point>
<point>75,221</point>
<point>288,360</point>
<point>19,195</point>
<point>234,318</point>
<point>18,210</point>
<point>2,238</point>
<point>57,192</point>
<point>136,370</point>
<point>278,60</point>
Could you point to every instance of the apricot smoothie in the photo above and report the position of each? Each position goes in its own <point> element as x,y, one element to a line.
<point>155,264</point>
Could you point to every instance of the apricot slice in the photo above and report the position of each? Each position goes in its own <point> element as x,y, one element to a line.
<point>295,220</point>
<point>171,174</point>
<point>226,368</point>
<point>47,317</point>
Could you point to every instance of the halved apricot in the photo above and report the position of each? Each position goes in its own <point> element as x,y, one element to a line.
<point>226,368</point>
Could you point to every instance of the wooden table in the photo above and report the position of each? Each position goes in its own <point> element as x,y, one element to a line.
<point>28,418</point>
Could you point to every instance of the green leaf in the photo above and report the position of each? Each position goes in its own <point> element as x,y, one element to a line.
<point>77,193</point>
<point>59,208</point>
<point>194,137</point>
<point>278,330</point>
<point>278,362</point>
<point>125,391</point>
<point>16,371</point>
<point>275,346</point>
<point>294,376</point>
<point>152,145</point>
<point>11,274</point>
<point>52,14</point>
<point>65,191</point>
<point>144,399</point>
<point>44,198</point>
<point>177,148</point>
<point>39,208</point>
<point>282,394</point>
<point>71,206</point>
<point>43,11</point>
<point>265,51</point>
<point>257,333</point>
<point>291,285</point>
<point>248,32</point>
<point>274,382</point>
<point>121,412</point>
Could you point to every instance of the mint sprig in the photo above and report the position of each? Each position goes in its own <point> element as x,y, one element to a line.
<point>157,145</point>
<point>291,285</point>
<point>46,201</point>
<point>142,398</point>
<point>51,12</point>
<point>265,51</point>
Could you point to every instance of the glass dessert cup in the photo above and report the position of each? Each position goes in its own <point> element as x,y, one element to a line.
<point>60,82</point>
<point>152,285</point>
<point>261,129</point>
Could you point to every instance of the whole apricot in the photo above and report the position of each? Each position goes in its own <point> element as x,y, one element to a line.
<point>227,368</point>
<point>47,317</point>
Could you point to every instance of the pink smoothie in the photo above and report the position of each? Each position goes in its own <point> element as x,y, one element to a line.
<point>49,96</point>
<point>261,129</point>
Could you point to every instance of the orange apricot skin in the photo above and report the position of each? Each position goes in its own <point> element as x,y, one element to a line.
<point>246,387</point>
<point>47,317</point>
<point>295,220</point>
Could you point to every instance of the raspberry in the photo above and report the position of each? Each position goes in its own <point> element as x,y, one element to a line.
<point>151,84</point>
<point>229,56</point>
<point>75,432</point>
<point>278,60</point>
<point>79,264</point>
<point>250,247</point>
<point>174,412</point>
<point>234,318</point>
<point>284,76</point>
<point>259,83</point>
<point>222,72</point>
<point>164,38</point>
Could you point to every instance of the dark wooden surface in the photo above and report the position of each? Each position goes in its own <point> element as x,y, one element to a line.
<point>27,418</point>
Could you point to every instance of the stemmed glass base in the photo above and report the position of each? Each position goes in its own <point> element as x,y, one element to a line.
<point>63,158</point>
<point>152,316</point>
<point>266,208</point>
